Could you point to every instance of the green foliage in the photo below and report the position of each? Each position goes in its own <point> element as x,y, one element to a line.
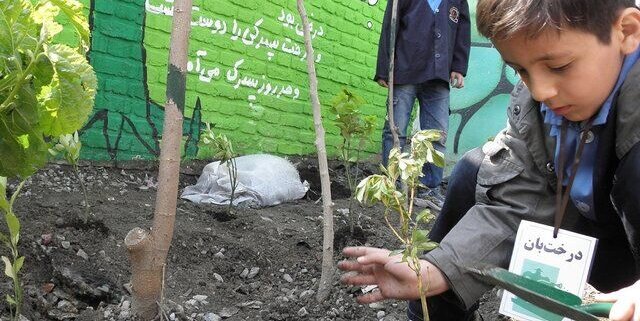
<point>353,125</point>
<point>13,265</point>
<point>67,145</point>
<point>219,144</point>
<point>222,149</point>
<point>46,89</point>
<point>405,168</point>
<point>355,130</point>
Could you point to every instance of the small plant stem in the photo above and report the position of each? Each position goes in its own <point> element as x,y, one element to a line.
<point>15,194</point>
<point>413,195</point>
<point>400,207</point>
<point>347,168</point>
<point>421,289</point>
<point>87,212</point>
<point>233,177</point>
<point>17,290</point>
<point>17,287</point>
<point>393,230</point>
<point>25,75</point>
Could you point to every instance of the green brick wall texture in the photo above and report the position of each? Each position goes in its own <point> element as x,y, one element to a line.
<point>247,76</point>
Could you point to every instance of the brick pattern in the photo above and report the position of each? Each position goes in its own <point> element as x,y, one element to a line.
<point>247,76</point>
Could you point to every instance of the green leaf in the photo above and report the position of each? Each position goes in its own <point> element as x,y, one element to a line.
<point>14,227</point>
<point>21,137</point>
<point>8,267</point>
<point>419,236</point>
<point>45,14</point>
<point>427,246</point>
<point>18,265</point>
<point>4,203</point>
<point>425,216</point>
<point>396,252</point>
<point>11,300</point>
<point>17,30</point>
<point>73,10</point>
<point>437,158</point>
<point>68,99</point>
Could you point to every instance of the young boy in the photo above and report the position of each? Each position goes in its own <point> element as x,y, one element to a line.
<point>578,61</point>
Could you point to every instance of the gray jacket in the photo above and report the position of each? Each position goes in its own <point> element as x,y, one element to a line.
<point>517,180</point>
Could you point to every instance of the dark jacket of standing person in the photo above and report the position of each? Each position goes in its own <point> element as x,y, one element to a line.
<point>429,45</point>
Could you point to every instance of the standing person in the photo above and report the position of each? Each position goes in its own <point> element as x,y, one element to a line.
<point>432,51</point>
<point>579,61</point>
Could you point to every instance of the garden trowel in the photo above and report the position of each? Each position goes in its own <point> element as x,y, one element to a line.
<point>542,295</point>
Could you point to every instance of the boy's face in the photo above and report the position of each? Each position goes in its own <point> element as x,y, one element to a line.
<point>570,71</point>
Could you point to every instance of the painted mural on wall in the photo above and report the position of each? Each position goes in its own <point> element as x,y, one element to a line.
<point>247,76</point>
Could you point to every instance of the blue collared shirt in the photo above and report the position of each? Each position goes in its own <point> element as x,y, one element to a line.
<point>582,190</point>
<point>434,4</point>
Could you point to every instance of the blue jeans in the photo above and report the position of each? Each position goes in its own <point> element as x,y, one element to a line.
<point>433,97</point>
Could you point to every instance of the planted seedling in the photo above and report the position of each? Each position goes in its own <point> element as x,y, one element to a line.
<point>355,129</point>
<point>396,188</point>
<point>222,150</point>
<point>12,265</point>
<point>68,146</point>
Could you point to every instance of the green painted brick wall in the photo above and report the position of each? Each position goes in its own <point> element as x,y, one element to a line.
<point>247,76</point>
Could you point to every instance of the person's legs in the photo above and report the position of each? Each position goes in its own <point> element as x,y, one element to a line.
<point>433,97</point>
<point>403,98</point>
<point>459,199</point>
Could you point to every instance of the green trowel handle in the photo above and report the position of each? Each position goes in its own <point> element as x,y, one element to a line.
<point>597,309</point>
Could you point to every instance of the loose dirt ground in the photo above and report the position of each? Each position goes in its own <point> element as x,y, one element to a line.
<point>256,264</point>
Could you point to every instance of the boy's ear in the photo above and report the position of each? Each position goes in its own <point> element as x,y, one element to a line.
<point>628,28</point>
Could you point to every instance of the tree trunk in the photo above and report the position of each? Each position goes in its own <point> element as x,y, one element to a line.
<point>148,249</point>
<point>390,83</point>
<point>326,278</point>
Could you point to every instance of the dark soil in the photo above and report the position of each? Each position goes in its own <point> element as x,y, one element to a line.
<point>254,264</point>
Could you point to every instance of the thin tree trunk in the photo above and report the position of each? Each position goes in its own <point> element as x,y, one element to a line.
<point>390,83</point>
<point>148,249</point>
<point>326,278</point>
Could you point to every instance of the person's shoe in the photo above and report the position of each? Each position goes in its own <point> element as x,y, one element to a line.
<point>430,198</point>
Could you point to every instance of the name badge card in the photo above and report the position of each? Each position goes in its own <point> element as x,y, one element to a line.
<point>563,262</point>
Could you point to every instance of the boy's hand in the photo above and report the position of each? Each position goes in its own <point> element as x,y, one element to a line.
<point>383,83</point>
<point>395,280</point>
<point>456,80</point>
<point>627,303</point>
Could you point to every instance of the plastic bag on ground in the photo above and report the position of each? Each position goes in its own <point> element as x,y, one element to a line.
<point>262,180</point>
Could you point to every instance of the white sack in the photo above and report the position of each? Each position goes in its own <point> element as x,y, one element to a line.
<point>263,180</point>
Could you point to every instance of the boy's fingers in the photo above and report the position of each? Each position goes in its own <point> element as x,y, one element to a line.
<point>353,266</point>
<point>358,251</point>
<point>358,279</point>
<point>375,257</point>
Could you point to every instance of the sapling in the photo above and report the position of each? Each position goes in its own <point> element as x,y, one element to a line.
<point>69,145</point>
<point>13,265</point>
<point>406,168</point>
<point>223,151</point>
<point>355,129</point>
<point>326,275</point>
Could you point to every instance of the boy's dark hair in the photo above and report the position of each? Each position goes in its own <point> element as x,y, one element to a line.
<point>502,19</point>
